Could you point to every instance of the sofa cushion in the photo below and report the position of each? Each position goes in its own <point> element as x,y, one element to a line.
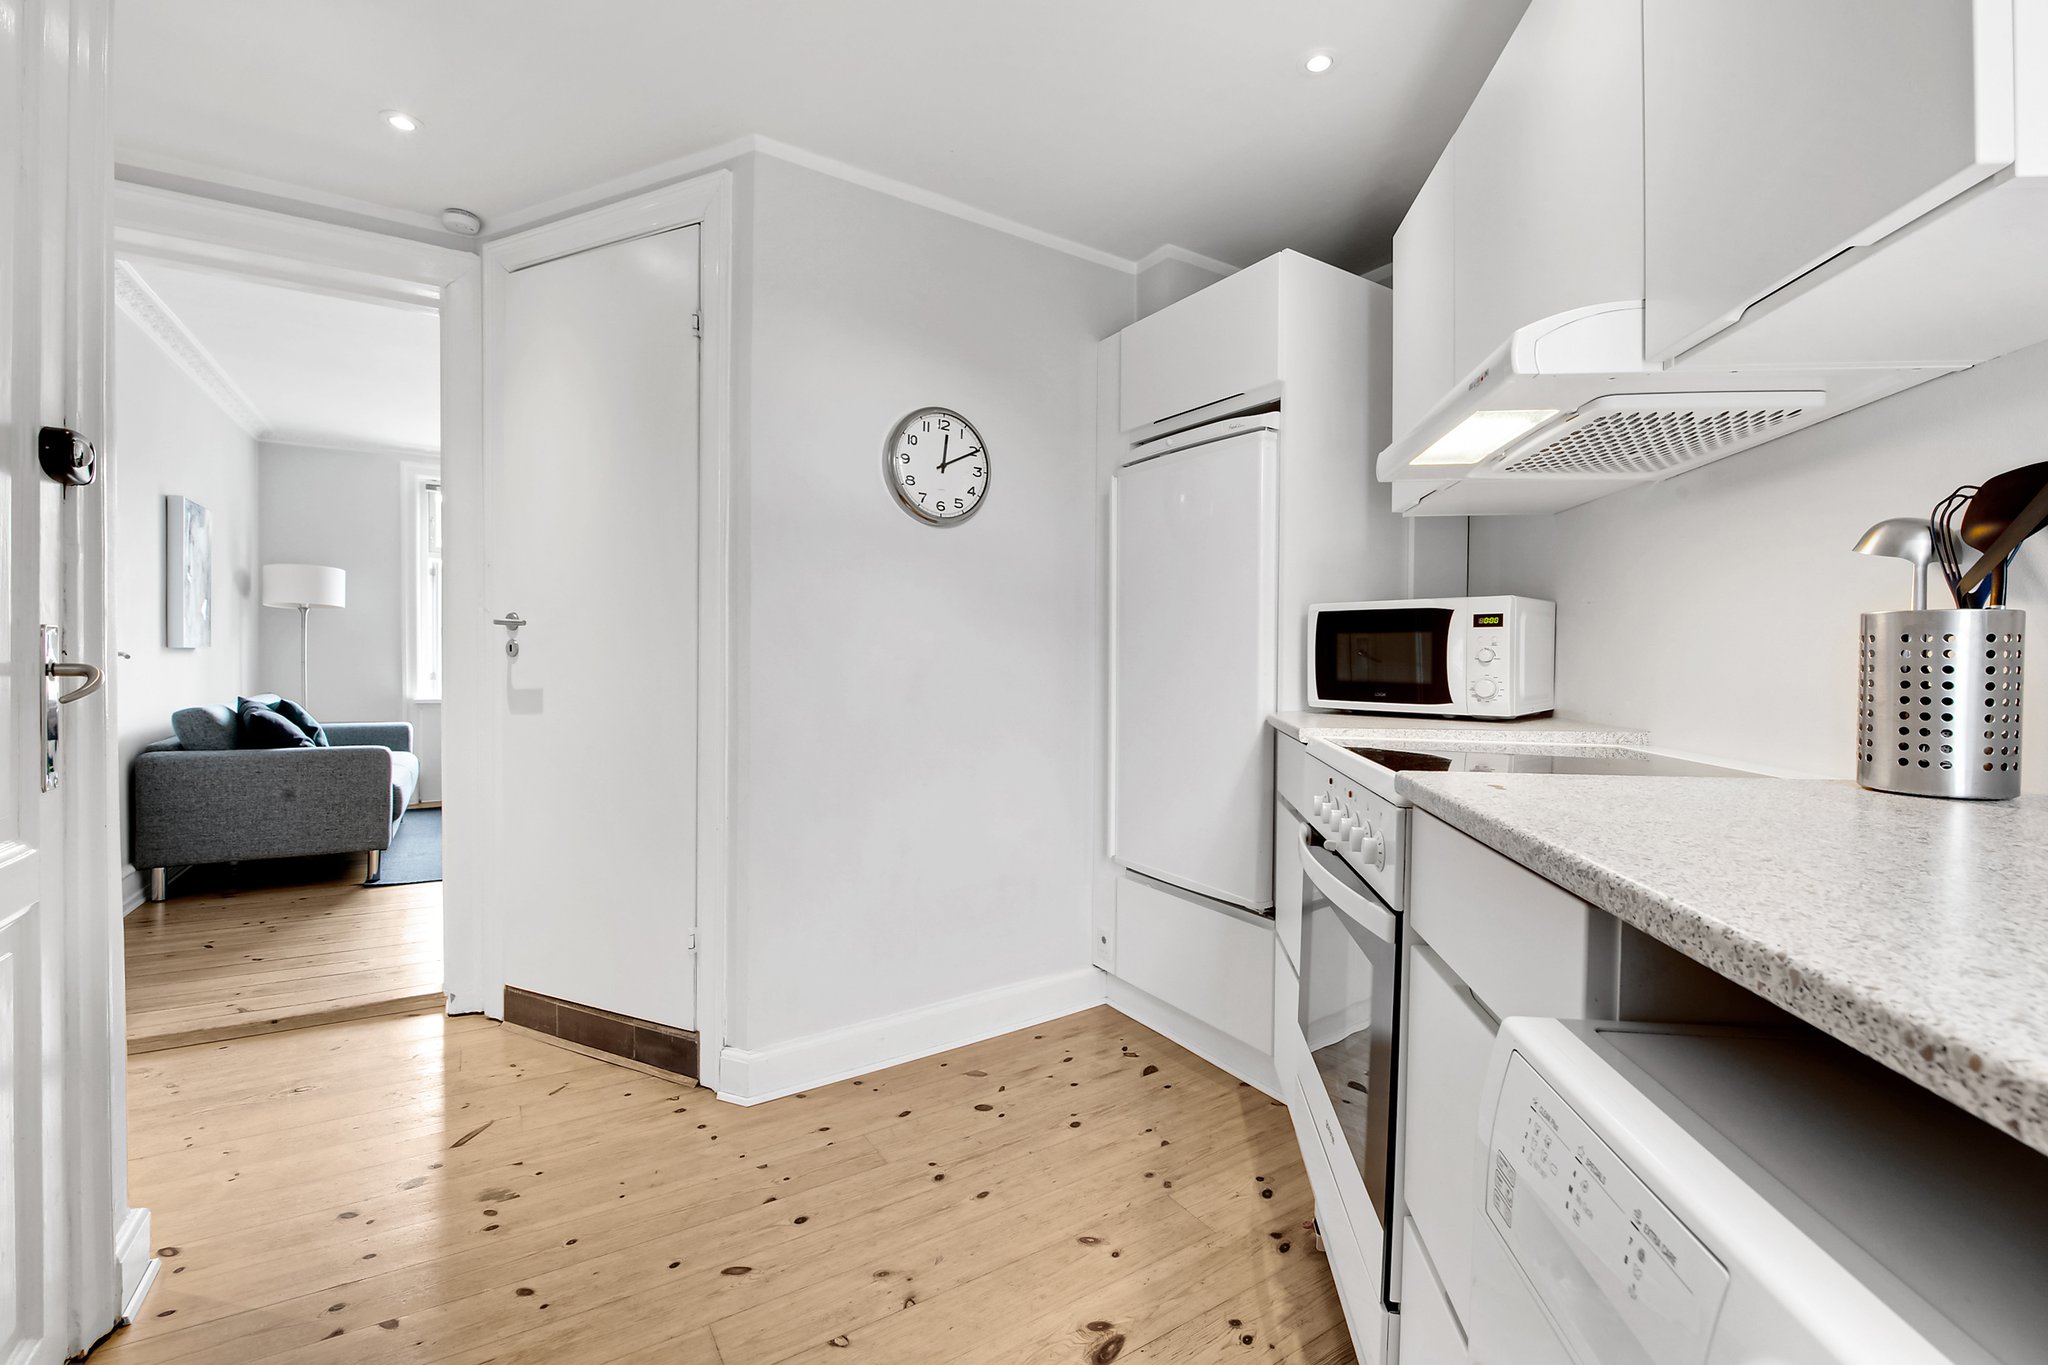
<point>263,728</point>
<point>301,717</point>
<point>405,780</point>
<point>204,728</point>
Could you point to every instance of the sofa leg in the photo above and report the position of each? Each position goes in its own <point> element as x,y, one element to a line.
<point>376,865</point>
<point>156,878</point>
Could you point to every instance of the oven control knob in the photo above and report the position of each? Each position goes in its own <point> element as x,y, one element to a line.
<point>1485,688</point>
<point>1485,655</point>
<point>1374,851</point>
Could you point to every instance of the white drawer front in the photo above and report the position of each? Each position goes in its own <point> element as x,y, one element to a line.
<point>1429,1330</point>
<point>1213,963</point>
<point>1447,1045</point>
<point>1520,942</point>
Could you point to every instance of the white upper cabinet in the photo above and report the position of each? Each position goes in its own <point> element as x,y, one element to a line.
<point>1548,177</point>
<point>1212,347</point>
<point>1779,133</point>
<point>1677,229</point>
<point>1424,364</point>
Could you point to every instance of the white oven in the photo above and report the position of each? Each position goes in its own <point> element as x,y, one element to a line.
<point>1487,657</point>
<point>1338,887</point>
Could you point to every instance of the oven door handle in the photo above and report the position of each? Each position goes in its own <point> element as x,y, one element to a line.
<point>1353,903</point>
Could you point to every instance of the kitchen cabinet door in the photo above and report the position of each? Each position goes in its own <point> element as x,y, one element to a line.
<point>1523,944</point>
<point>1781,132</point>
<point>1429,1330</point>
<point>1423,355</point>
<point>1446,1046</point>
<point>1206,960</point>
<point>1548,175</point>
<point>1220,343</point>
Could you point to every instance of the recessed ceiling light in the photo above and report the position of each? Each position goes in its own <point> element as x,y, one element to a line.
<point>402,121</point>
<point>1319,62</point>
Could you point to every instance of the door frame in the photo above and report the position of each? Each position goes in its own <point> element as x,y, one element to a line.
<point>705,202</point>
<point>189,230</point>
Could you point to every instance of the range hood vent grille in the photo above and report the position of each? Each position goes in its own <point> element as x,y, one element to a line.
<point>1645,435</point>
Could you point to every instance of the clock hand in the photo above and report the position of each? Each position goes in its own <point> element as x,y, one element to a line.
<point>945,444</point>
<point>964,455</point>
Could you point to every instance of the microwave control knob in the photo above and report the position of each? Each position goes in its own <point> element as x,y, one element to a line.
<point>1485,688</point>
<point>1485,654</point>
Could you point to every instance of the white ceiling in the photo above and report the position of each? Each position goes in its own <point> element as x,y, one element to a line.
<point>304,367</point>
<point>1122,125</point>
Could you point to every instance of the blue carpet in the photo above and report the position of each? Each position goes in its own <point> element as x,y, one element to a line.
<point>415,852</point>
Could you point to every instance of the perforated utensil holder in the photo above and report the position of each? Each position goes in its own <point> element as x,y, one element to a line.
<point>1940,703</point>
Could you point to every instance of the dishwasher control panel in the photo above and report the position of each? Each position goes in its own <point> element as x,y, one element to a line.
<point>1586,1232</point>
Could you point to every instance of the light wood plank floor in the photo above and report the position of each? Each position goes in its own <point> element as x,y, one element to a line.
<point>445,1190</point>
<point>243,957</point>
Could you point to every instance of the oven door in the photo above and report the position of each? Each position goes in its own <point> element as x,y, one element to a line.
<point>1377,657</point>
<point>1350,957</point>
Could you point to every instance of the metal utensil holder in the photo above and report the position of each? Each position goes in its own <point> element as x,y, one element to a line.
<point>1939,711</point>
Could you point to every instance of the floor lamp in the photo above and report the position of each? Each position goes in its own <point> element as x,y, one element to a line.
<point>304,586</point>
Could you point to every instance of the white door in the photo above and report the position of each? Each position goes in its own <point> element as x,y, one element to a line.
<point>1195,576</point>
<point>591,507</point>
<point>51,373</point>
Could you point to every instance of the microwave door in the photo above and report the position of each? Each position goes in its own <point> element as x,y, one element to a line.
<point>1383,657</point>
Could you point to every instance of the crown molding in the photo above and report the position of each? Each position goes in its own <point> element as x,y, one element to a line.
<point>255,191</point>
<point>346,445</point>
<point>135,298</point>
<point>195,179</point>
<point>1161,254</point>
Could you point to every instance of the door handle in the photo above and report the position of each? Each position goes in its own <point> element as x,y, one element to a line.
<point>93,678</point>
<point>1362,908</point>
<point>511,621</point>
<point>52,699</point>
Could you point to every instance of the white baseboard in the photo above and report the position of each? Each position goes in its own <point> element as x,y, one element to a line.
<point>753,1076</point>
<point>131,891</point>
<point>138,1266</point>
<point>1206,1041</point>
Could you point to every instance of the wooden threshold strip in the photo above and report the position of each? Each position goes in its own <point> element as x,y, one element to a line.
<point>661,1047</point>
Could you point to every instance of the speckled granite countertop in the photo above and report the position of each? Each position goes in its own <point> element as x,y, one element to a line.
<point>1347,728</point>
<point>1914,930</point>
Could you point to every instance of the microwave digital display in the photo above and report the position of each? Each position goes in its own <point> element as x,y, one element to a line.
<point>1488,618</point>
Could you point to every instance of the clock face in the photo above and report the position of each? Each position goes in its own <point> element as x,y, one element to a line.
<point>937,466</point>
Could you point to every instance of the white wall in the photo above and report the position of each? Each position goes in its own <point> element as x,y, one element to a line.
<point>1719,609</point>
<point>914,722</point>
<point>1169,281</point>
<point>345,508</point>
<point>169,437</point>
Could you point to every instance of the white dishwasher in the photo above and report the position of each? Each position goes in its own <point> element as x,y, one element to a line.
<point>1658,1195</point>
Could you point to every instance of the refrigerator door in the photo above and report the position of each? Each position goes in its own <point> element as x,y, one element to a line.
<point>1193,662</point>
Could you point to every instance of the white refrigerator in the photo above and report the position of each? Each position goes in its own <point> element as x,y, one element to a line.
<point>1195,639</point>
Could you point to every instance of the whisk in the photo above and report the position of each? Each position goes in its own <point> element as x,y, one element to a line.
<point>1949,546</point>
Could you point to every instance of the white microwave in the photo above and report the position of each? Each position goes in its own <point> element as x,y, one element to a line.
<point>1494,658</point>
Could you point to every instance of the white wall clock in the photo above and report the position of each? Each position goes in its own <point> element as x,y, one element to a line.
<point>937,466</point>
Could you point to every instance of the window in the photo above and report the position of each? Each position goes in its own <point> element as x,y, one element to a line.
<point>425,674</point>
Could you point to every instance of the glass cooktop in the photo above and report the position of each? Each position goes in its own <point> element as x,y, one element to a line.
<point>1605,763</point>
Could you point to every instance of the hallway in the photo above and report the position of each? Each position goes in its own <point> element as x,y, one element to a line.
<point>428,1189</point>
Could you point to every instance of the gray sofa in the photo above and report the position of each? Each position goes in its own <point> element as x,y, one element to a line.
<point>198,799</point>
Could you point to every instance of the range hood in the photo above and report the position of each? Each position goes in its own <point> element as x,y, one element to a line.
<point>1568,410</point>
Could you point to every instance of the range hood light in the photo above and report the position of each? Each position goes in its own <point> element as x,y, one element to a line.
<point>1482,434</point>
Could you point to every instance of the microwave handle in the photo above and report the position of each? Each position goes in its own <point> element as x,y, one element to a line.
<point>1359,906</point>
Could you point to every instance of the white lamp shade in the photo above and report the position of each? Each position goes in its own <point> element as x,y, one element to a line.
<point>304,585</point>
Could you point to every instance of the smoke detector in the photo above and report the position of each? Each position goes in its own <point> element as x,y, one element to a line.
<point>462,221</point>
